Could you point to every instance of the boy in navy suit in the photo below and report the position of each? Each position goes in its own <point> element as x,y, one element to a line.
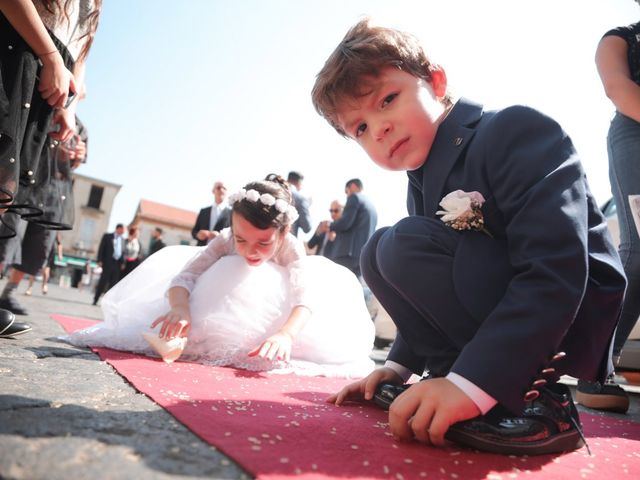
<point>497,290</point>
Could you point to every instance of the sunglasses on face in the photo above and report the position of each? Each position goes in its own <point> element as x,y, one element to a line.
<point>334,210</point>
<point>221,188</point>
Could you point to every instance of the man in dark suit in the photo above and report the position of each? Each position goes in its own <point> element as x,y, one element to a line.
<point>214,218</point>
<point>354,227</point>
<point>156,241</point>
<point>324,239</point>
<point>294,179</point>
<point>111,259</point>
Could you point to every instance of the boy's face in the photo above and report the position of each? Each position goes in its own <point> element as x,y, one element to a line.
<point>397,119</point>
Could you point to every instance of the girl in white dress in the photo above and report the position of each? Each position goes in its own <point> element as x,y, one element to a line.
<point>252,299</point>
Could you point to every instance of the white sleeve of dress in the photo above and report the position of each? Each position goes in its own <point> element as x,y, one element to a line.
<point>219,247</point>
<point>292,256</point>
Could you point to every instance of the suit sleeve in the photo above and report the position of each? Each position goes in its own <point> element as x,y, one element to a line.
<point>101,248</point>
<point>539,188</point>
<point>316,239</point>
<point>304,219</point>
<point>346,221</point>
<point>196,228</point>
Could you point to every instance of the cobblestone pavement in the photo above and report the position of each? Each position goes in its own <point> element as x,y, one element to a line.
<point>64,414</point>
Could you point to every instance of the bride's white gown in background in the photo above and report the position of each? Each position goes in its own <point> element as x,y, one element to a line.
<point>235,307</point>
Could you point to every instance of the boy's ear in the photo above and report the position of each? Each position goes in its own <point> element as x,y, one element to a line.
<point>438,80</point>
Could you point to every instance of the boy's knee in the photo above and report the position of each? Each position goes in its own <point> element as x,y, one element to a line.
<point>410,238</point>
<point>368,254</point>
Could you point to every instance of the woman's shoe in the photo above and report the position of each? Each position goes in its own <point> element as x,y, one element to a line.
<point>45,289</point>
<point>27,292</point>
<point>608,396</point>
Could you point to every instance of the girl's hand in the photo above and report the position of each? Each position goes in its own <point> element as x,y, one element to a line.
<point>365,388</point>
<point>175,323</point>
<point>277,346</point>
<point>55,80</point>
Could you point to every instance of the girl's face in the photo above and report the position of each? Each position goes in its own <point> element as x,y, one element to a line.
<point>254,244</point>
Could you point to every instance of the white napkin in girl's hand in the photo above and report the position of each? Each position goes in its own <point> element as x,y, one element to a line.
<point>169,350</point>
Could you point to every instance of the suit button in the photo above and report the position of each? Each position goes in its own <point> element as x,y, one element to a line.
<point>558,356</point>
<point>539,383</point>
<point>531,395</point>
<point>548,371</point>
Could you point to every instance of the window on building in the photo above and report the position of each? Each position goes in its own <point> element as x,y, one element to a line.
<point>86,234</point>
<point>95,197</point>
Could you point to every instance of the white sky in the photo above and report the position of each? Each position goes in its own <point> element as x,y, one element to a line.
<point>183,93</point>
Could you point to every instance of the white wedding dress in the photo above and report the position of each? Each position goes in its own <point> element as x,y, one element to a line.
<point>234,307</point>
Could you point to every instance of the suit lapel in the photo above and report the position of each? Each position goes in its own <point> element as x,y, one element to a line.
<point>454,133</point>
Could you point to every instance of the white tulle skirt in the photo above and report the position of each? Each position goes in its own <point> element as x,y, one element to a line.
<point>234,307</point>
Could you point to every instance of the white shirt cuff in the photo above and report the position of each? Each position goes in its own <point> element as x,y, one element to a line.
<point>482,399</point>
<point>401,370</point>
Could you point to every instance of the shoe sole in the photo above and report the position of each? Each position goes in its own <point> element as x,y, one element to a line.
<point>4,335</point>
<point>609,403</point>
<point>561,442</point>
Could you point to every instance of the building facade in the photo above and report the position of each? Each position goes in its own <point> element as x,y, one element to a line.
<point>93,199</point>
<point>176,223</point>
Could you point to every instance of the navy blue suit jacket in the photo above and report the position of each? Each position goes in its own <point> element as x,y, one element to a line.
<point>354,227</point>
<point>550,279</point>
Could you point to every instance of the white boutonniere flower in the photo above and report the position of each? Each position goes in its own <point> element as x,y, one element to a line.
<point>463,211</point>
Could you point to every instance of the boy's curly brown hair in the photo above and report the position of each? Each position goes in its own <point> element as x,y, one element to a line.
<point>361,55</point>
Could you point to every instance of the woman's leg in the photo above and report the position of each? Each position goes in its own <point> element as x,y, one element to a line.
<point>624,156</point>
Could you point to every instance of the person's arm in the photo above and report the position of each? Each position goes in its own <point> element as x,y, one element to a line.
<point>55,79</point>
<point>613,68</point>
<point>345,222</point>
<point>177,321</point>
<point>196,228</point>
<point>304,219</point>
<point>278,346</point>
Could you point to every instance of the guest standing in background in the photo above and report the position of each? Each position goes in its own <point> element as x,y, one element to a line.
<point>301,202</point>
<point>111,260</point>
<point>214,218</point>
<point>131,251</point>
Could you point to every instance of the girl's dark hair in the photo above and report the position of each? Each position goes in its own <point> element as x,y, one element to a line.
<point>264,216</point>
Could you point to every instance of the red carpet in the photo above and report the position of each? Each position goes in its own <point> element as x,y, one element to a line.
<point>278,426</point>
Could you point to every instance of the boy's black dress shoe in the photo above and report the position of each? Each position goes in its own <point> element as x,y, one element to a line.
<point>386,393</point>
<point>548,424</point>
<point>12,305</point>
<point>9,327</point>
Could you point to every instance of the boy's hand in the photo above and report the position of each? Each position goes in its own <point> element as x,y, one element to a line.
<point>175,323</point>
<point>277,346</point>
<point>427,409</point>
<point>365,388</point>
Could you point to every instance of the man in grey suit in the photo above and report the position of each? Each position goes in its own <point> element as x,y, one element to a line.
<point>353,229</point>
<point>294,179</point>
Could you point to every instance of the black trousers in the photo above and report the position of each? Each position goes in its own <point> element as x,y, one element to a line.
<point>111,272</point>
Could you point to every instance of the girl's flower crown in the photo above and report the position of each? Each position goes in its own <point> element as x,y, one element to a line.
<point>282,206</point>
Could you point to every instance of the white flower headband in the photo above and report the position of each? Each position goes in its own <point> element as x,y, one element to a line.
<point>282,206</point>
